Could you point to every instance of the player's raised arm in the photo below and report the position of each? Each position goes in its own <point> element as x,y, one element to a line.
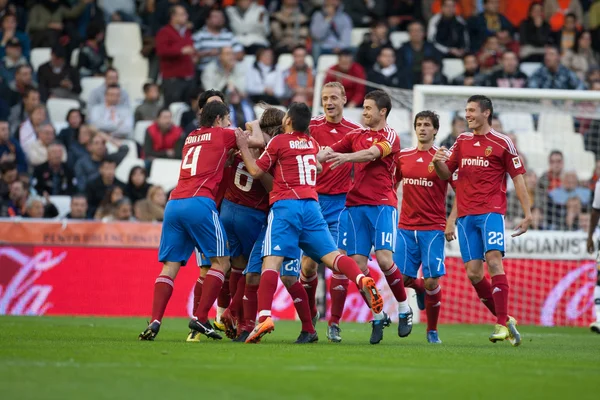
<point>523,196</point>
<point>243,141</point>
<point>370,154</point>
<point>439,162</point>
<point>256,138</point>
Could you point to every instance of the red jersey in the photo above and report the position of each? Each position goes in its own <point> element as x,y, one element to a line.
<point>483,162</point>
<point>204,156</point>
<point>330,181</point>
<point>374,181</point>
<point>423,193</point>
<point>242,189</point>
<point>292,160</point>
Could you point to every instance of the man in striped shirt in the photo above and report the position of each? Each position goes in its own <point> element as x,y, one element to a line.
<point>209,40</point>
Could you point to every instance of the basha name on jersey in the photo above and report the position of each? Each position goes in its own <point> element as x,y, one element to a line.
<point>475,162</point>
<point>301,144</point>
<point>205,137</point>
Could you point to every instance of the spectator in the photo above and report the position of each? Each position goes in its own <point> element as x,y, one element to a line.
<point>558,11</point>
<point>10,149</point>
<point>37,151</point>
<point>119,11</point>
<point>554,75</point>
<point>487,24</point>
<point>289,27</point>
<point>570,188</point>
<point>8,174</point>
<point>54,177</point>
<point>264,81</point>
<point>538,221</point>
<point>78,146</point>
<point>79,207</point>
<point>137,185</point>
<point>459,125</point>
<point>12,60</point>
<point>188,118</point>
<point>552,178</point>
<point>209,40</point>
<point>534,34</point>
<point>16,89</point>
<point>112,117</point>
<point>249,22</point>
<point>402,12</point>
<point>122,211</point>
<point>148,110</point>
<point>17,197</point>
<point>572,213</point>
<point>111,78</point>
<point>582,57</point>
<point>448,32</point>
<point>176,56</point>
<point>299,78</point>
<point>355,92</point>
<point>112,196</point>
<point>330,29</point>
<point>432,73</point>
<point>507,42</point>
<point>34,207</point>
<point>412,53</point>
<point>97,188</point>
<point>205,97</point>
<point>57,78</point>
<point>163,139</point>
<point>47,19</point>
<point>565,38</point>
<point>509,76</point>
<point>9,31</point>
<point>225,73</point>
<point>471,76</point>
<point>152,208</point>
<point>20,112</point>
<point>87,168</point>
<point>69,134</point>
<point>93,60</point>
<point>490,54</point>
<point>369,49</point>
<point>365,13</point>
<point>28,131</point>
<point>240,109</point>
<point>385,71</point>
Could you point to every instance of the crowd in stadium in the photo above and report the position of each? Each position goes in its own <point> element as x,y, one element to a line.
<point>200,44</point>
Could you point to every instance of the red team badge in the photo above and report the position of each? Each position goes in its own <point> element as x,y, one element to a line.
<point>488,151</point>
<point>430,167</point>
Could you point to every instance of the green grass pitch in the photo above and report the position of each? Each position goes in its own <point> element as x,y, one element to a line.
<point>101,358</point>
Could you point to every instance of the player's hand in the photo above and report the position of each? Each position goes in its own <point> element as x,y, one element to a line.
<point>336,159</point>
<point>522,227</point>
<point>449,233</point>
<point>590,245</point>
<point>241,138</point>
<point>441,155</point>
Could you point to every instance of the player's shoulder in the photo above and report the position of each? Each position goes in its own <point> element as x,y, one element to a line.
<point>391,136</point>
<point>502,141</point>
<point>408,151</point>
<point>465,136</point>
<point>351,125</point>
<point>317,121</point>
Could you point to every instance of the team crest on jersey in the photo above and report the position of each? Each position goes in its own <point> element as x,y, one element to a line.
<point>488,151</point>
<point>430,167</point>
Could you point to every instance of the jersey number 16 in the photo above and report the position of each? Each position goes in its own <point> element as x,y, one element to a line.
<point>307,171</point>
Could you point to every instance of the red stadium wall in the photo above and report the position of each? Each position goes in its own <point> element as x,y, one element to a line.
<point>109,270</point>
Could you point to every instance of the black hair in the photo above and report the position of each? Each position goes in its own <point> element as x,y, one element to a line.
<point>485,104</point>
<point>381,99</point>
<point>385,47</point>
<point>108,160</point>
<point>20,67</point>
<point>211,111</point>
<point>93,30</point>
<point>299,47</point>
<point>300,115</point>
<point>431,59</point>
<point>148,85</point>
<point>71,111</point>
<point>556,152</point>
<point>113,86</point>
<point>110,69</point>
<point>432,116</point>
<point>79,196</point>
<point>59,52</point>
<point>207,94</point>
<point>162,110</point>
<point>7,166</point>
<point>133,171</point>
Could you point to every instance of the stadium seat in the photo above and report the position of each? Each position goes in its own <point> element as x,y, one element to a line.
<point>123,38</point>
<point>135,89</point>
<point>39,56</point>
<point>131,66</point>
<point>554,123</point>
<point>530,141</point>
<point>583,163</point>
<point>177,110</point>
<point>354,114</point>
<point>164,173</point>
<point>325,62</point>
<point>62,204</point>
<point>248,61</point>
<point>528,68</point>
<point>516,122</point>
<point>286,60</point>
<point>88,84</point>
<point>398,39</point>
<point>139,133</point>
<point>75,58</point>
<point>123,169</point>
<point>58,108</point>
<point>357,36</point>
<point>59,126</point>
<point>537,160</point>
<point>452,67</point>
<point>399,119</point>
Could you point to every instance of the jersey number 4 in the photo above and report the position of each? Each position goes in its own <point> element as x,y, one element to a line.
<point>307,169</point>
<point>193,164</point>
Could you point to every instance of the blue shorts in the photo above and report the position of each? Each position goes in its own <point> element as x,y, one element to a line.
<point>290,266</point>
<point>371,227</point>
<point>201,259</point>
<point>333,208</point>
<point>478,234</point>
<point>242,225</point>
<point>297,223</point>
<point>416,248</point>
<point>188,223</point>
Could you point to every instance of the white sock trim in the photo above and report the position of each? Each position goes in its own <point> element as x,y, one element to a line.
<point>434,291</point>
<point>403,307</point>
<point>264,313</point>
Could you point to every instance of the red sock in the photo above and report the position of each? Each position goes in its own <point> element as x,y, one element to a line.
<point>163,288</point>
<point>236,307</point>
<point>433,304</point>
<point>300,298</point>
<point>484,292</point>
<point>417,284</point>
<point>500,293</point>
<point>250,306</point>
<point>394,278</point>
<point>224,297</point>
<point>310,284</point>
<point>197,293</point>
<point>234,278</point>
<point>266,292</point>
<point>210,291</point>
<point>338,291</point>
<point>347,266</point>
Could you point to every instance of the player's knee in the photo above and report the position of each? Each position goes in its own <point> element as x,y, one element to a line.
<point>494,263</point>
<point>309,266</point>
<point>170,269</point>
<point>475,275</point>
<point>252,279</point>
<point>407,280</point>
<point>385,263</point>
<point>431,283</point>
<point>204,270</point>
<point>288,281</point>
<point>221,264</point>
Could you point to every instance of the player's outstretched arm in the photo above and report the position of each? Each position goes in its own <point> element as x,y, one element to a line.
<point>242,140</point>
<point>451,223</point>
<point>439,162</point>
<point>337,159</point>
<point>323,153</point>
<point>256,138</point>
<point>593,224</point>
<point>523,196</point>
